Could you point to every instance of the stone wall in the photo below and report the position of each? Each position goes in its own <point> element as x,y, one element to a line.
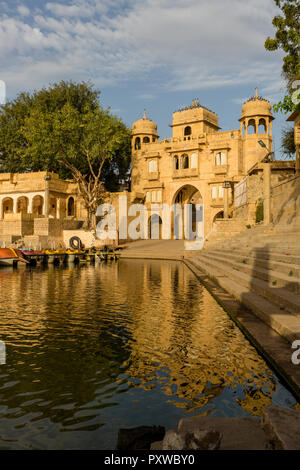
<point>285,202</point>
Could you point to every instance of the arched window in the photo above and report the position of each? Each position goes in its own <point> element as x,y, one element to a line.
<point>251,129</point>
<point>220,158</point>
<point>137,144</point>
<point>152,166</point>
<point>22,204</point>
<point>176,162</point>
<point>37,206</point>
<point>146,140</point>
<point>7,205</point>
<point>71,207</point>
<point>187,130</point>
<point>262,128</point>
<point>184,161</point>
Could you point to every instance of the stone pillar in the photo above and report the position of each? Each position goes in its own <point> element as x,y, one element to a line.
<point>58,205</point>
<point>47,197</point>
<point>267,193</point>
<point>15,205</point>
<point>30,205</point>
<point>1,208</point>
<point>226,203</point>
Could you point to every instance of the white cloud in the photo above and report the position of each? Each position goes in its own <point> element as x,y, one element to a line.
<point>23,10</point>
<point>192,44</point>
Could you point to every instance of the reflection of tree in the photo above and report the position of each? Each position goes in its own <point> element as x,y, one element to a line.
<point>82,335</point>
<point>71,357</point>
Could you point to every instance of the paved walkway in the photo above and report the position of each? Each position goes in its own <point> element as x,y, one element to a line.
<point>154,249</point>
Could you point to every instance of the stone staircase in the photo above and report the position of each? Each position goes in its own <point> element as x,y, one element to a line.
<point>260,268</point>
<point>226,228</point>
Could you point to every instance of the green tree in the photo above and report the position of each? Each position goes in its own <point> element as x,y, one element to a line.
<point>65,130</point>
<point>37,130</point>
<point>287,38</point>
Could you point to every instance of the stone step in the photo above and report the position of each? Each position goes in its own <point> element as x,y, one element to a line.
<point>282,297</point>
<point>284,263</point>
<point>284,323</point>
<point>282,256</point>
<point>290,279</point>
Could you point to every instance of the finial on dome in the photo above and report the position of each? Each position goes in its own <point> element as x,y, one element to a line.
<point>256,92</point>
<point>144,117</point>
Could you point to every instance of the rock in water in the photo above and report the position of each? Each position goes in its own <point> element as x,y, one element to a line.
<point>173,441</point>
<point>203,440</point>
<point>139,438</point>
<point>195,440</point>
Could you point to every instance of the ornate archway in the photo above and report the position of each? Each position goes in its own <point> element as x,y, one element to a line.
<point>187,194</point>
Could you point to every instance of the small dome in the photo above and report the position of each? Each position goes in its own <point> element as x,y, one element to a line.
<point>256,106</point>
<point>144,126</point>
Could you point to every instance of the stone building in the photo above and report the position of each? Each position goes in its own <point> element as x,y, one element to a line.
<point>199,163</point>
<point>36,206</point>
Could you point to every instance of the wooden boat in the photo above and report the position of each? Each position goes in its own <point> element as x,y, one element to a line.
<point>11,257</point>
<point>33,256</point>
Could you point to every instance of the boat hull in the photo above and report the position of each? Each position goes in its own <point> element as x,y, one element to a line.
<point>10,257</point>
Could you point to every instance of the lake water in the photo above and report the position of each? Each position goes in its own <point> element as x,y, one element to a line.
<point>91,349</point>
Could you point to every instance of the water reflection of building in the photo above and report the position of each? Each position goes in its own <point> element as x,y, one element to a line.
<point>152,320</point>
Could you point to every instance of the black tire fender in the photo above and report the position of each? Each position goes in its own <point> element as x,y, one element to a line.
<point>75,243</point>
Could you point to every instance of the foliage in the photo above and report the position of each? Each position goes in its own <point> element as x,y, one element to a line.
<point>288,142</point>
<point>52,126</point>
<point>259,212</point>
<point>287,38</point>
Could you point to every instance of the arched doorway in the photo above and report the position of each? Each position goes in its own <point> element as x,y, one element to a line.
<point>187,194</point>
<point>53,207</point>
<point>37,206</point>
<point>155,227</point>
<point>22,205</point>
<point>7,206</point>
<point>71,207</point>
<point>219,215</point>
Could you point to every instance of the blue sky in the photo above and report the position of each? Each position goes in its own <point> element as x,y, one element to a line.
<point>152,54</point>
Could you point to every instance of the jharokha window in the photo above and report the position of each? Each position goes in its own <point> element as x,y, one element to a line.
<point>184,161</point>
<point>152,166</point>
<point>220,158</point>
<point>176,162</point>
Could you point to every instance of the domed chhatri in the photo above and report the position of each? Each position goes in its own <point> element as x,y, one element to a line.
<point>144,126</point>
<point>143,131</point>
<point>257,106</point>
